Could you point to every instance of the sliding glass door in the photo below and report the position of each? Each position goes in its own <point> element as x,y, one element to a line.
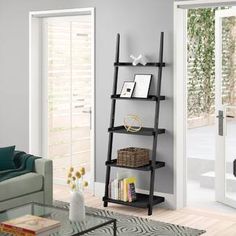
<point>68,93</point>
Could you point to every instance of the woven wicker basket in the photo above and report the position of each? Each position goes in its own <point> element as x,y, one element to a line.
<point>133,157</point>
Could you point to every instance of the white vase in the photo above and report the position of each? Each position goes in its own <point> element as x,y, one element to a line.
<point>77,207</point>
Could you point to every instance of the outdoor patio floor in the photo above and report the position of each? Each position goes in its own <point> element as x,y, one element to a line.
<point>201,145</point>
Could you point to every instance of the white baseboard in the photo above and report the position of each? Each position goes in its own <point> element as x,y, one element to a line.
<point>169,198</point>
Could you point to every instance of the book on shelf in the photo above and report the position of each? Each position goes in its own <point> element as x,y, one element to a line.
<point>123,189</point>
<point>132,192</point>
<point>127,182</point>
<point>30,225</point>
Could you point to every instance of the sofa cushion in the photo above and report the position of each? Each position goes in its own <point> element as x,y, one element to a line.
<point>6,158</point>
<point>20,186</point>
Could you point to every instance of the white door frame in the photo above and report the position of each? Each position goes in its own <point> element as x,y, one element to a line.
<point>180,75</point>
<point>36,75</point>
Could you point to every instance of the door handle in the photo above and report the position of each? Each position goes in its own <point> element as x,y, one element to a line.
<point>220,123</point>
<point>90,117</point>
<point>234,167</point>
<point>87,112</point>
<point>230,116</point>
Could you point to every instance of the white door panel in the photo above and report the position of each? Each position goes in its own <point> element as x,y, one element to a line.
<point>68,88</point>
<point>225,97</point>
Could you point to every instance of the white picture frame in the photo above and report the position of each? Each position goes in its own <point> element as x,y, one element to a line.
<point>142,85</point>
<point>127,89</point>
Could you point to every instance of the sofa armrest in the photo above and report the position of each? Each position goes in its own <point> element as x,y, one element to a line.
<point>44,167</point>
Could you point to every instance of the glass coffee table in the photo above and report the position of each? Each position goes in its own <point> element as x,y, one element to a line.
<point>68,228</point>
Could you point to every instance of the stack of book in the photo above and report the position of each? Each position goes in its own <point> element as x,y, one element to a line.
<point>30,225</point>
<point>123,189</point>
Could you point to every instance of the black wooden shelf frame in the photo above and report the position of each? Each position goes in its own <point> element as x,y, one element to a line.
<point>143,200</point>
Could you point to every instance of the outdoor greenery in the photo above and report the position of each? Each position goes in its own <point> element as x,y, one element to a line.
<point>228,60</point>
<point>201,62</point>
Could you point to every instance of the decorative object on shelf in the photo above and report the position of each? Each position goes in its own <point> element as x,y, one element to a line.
<point>141,59</point>
<point>133,157</point>
<point>142,85</point>
<point>123,189</point>
<point>127,89</point>
<point>132,123</point>
<point>77,184</point>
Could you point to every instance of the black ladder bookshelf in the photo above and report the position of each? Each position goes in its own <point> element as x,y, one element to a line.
<point>143,200</point>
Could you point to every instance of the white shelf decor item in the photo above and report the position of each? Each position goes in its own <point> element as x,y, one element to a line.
<point>141,59</point>
<point>142,85</point>
<point>127,89</point>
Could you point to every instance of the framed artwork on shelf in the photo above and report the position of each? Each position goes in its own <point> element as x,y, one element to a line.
<point>127,89</point>
<point>142,85</point>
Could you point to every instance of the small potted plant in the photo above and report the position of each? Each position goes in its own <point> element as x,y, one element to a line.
<point>77,184</point>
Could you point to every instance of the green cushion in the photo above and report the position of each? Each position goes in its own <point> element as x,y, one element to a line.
<point>6,158</point>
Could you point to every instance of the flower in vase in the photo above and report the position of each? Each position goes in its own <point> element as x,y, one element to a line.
<point>78,175</point>
<point>73,186</point>
<point>82,171</point>
<point>75,179</point>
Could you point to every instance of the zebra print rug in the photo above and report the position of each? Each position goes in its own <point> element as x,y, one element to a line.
<point>136,226</point>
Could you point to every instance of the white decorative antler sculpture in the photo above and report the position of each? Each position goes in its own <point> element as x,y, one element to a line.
<point>139,60</point>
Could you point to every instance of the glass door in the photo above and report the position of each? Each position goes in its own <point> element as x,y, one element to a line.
<point>230,154</point>
<point>68,85</point>
<point>225,70</point>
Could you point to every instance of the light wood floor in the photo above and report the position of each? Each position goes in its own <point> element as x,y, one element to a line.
<point>214,223</point>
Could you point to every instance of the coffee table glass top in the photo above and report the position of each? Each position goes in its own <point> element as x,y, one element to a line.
<point>67,228</point>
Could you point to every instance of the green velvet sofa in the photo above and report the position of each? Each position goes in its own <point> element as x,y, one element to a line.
<point>35,186</point>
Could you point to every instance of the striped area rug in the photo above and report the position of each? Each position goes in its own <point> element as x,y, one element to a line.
<point>136,226</point>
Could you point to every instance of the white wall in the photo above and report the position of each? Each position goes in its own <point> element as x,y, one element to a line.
<point>140,23</point>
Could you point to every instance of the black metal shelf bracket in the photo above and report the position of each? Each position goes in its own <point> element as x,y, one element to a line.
<point>144,201</point>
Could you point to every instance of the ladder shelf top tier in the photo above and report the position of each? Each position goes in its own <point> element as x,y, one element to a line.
<point>150,64</point>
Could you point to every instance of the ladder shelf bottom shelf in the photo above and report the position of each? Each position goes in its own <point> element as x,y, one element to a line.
<point>141,202</point>
<point>144,131</point>
<point>159,164</point>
